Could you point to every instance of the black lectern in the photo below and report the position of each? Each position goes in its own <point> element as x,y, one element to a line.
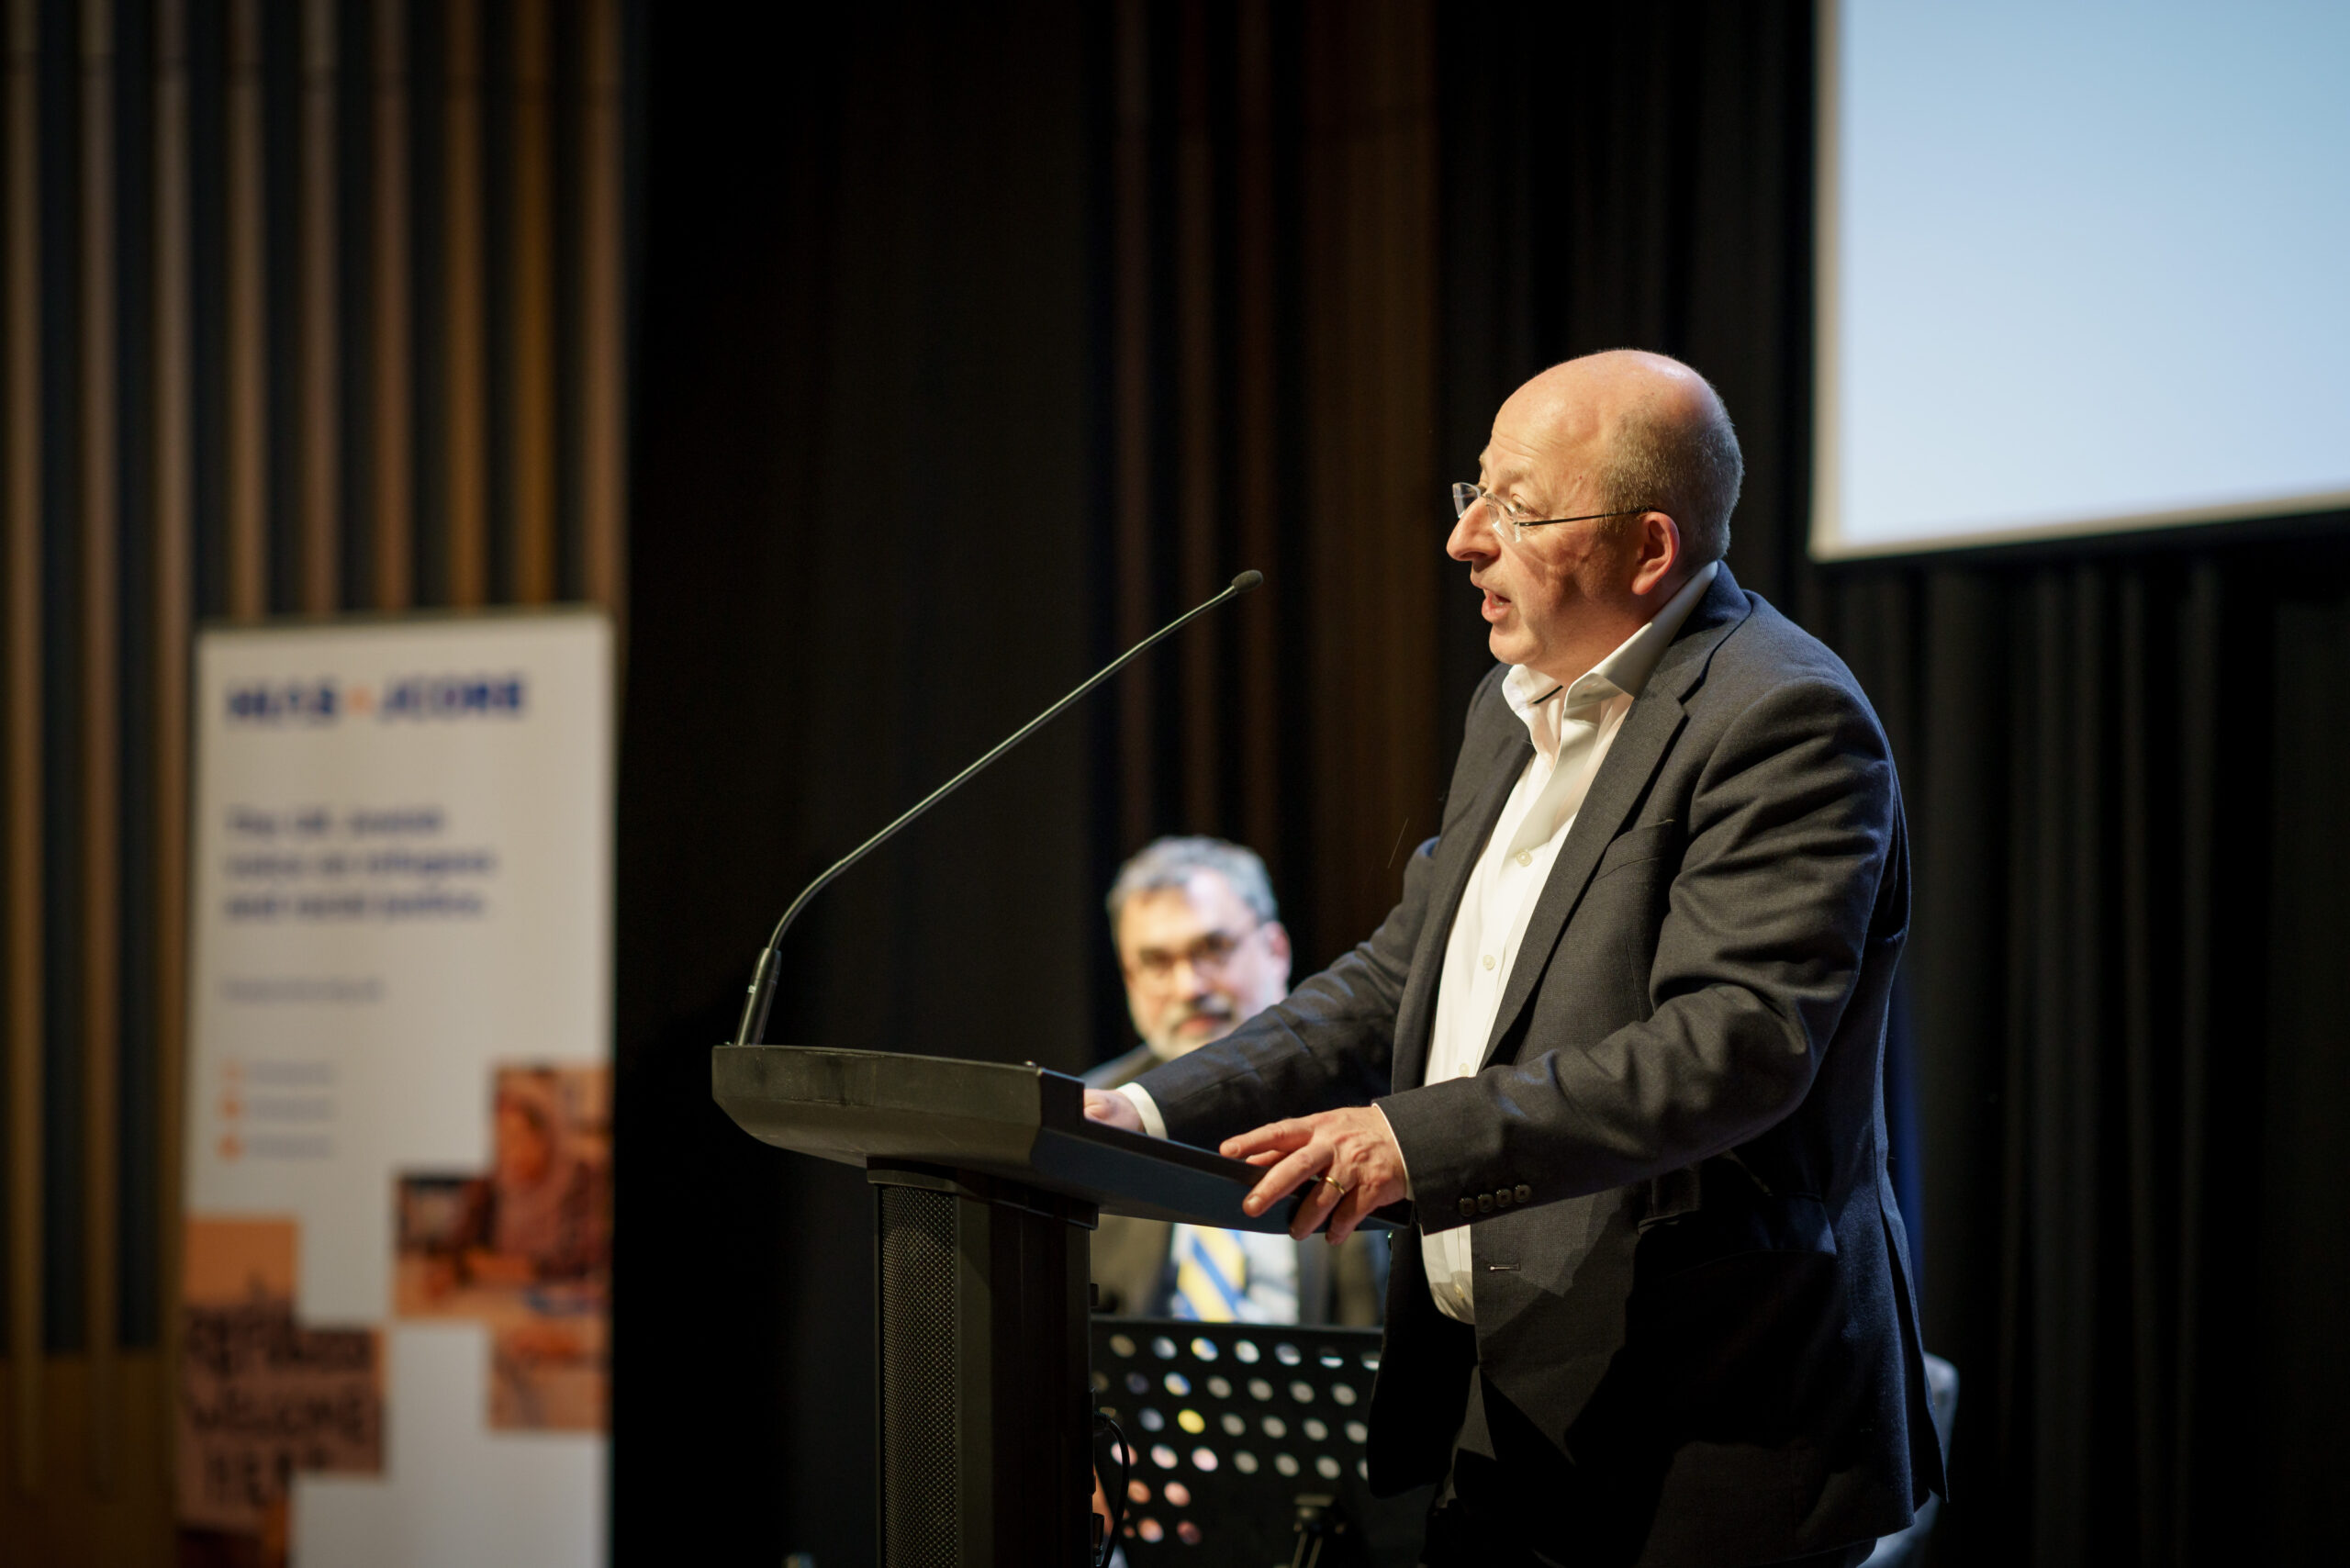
<point>989,1177</point>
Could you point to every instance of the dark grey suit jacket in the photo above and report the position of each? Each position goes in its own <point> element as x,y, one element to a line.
<point>1694,1329</point>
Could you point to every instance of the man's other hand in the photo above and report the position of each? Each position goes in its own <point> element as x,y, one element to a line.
<point>1115,1109</point>
<point>1354,1148</point>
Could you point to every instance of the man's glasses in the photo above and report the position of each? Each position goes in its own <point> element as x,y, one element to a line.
<point>1505,514</point>
<point>1211,955</point>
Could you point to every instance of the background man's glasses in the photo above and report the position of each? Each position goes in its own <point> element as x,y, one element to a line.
<point>1506,517</point>
<point>1208,956</point>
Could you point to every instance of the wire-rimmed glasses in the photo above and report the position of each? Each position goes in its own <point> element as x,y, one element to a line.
<point>1508,516</point>
<point>1211,955</point>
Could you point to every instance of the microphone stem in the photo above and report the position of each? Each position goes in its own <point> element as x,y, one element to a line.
<point>762,993</point>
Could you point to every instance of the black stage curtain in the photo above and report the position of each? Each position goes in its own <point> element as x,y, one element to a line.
<point>974,339</point>
<point>860,553</point>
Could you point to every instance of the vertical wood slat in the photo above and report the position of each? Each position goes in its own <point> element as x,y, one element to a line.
<point>534,448</point>
<point>101,746</point>
<point>602,443</point>
<point>1130,198</point>
<point>173,503</point>
<point>322,571</point>
<point>246,344</point>
<point>23,778</point>
<point>466,393</point>
<point>393,424</point>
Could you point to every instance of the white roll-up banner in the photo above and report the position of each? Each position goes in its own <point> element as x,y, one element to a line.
<point>396,1245</point>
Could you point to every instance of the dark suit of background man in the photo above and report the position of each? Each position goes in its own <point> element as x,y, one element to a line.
<point>1619,1041</point>
<point>1202,947</point>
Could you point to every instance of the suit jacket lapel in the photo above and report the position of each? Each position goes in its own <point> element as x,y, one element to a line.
<point>1632,760</point>
<point>1457,855</point>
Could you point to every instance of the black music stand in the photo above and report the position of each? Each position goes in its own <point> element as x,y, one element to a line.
<point>1234,1427</point>
<point>989,1180</point>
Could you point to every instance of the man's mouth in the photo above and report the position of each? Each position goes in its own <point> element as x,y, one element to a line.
<point>1496,605</point>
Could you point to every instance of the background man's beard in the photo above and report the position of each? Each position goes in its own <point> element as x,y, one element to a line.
<point>1169,1038</point>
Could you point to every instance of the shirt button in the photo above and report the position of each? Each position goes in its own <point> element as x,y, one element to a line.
<point>1526,858</point>
<point>1489,960</point>
<point>1468,1207</point>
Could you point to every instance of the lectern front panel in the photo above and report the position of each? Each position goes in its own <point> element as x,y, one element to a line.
<point>986,1422</point>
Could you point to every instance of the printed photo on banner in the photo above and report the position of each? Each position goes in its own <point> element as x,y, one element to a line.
<point>524,1248</point>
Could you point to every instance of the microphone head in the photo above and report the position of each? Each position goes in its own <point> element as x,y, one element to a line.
<point>1248,582</point>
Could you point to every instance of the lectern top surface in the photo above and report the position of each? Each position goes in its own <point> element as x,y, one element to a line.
<point>1022,1123</point>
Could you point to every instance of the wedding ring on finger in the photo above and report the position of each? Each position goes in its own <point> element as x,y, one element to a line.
<point>1326,1176</point>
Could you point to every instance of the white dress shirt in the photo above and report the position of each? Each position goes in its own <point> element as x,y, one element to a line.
<point>1573,727</point>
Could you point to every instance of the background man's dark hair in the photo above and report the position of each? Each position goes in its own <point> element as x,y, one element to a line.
<point>1171,862</point>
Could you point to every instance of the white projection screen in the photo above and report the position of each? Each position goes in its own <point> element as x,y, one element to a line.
<point>2083,267</point>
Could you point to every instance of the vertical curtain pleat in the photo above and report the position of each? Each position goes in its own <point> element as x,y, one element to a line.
<point>1255,422</point>
<point>2195,839</point>
<point>1259,422</point>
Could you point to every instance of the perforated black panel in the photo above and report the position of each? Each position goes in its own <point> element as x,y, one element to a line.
<point>920,1499</point>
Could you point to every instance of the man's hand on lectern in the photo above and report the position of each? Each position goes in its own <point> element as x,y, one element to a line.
<point>1115,1109</point>
<point>1347,1161</point>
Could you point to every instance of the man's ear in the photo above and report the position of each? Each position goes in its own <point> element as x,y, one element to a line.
<point>1277,944</point>
<point>1656,552</point>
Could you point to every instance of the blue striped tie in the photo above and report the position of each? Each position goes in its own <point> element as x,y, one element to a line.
<point>1211,1274</point>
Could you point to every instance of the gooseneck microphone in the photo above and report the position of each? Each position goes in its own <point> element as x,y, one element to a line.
<point>755,1006</point>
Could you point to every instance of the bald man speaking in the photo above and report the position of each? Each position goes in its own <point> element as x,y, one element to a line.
<point>1619,1042</point>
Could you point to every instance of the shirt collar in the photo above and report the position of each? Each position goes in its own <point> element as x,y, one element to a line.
<point>1621,674</point>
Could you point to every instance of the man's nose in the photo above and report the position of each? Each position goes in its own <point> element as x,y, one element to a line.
<point>1472,538</point>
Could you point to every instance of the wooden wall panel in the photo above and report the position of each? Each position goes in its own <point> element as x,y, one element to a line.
<point>322,420</point>
<point>465,395</point>
<point>100,703</point>
<point>139,193</point>
<point>391,420</point>
<point>247,313</point>
<point>172,509</point>
<point>533,294</point>
<point>24,631</point>
<point>602,328</point>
